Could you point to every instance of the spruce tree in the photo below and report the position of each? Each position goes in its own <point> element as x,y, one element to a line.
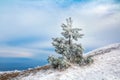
<point>70,52</point>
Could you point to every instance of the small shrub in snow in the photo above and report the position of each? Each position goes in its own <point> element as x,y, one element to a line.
<point>58,62</point>
<point>88,60</point>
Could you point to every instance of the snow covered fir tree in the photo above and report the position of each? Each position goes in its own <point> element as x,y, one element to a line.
<point>71,53</point>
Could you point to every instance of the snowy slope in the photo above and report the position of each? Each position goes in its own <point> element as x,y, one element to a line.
<point>106,66</point>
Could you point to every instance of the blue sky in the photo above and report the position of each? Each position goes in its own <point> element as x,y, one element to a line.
<point>27,26</point>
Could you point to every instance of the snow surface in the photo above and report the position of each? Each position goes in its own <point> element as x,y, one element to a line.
<point>106,66</point>
<point>2,72</point>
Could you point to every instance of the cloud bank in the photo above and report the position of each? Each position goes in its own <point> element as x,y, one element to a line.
<point>30,25</point>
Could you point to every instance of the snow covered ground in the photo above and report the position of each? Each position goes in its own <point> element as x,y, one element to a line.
<point>106,66</point>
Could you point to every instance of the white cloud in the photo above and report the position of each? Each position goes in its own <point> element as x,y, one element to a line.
<point>23,52</point>
<point>40,44</point>
<point>95,19</point>
<point>14,53</point>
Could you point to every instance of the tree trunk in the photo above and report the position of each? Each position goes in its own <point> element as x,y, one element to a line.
<point>69,39</point>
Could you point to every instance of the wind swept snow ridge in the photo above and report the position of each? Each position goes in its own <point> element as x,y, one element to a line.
<point>103,50</point>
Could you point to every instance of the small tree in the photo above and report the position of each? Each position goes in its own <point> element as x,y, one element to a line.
<point>70,51</point>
